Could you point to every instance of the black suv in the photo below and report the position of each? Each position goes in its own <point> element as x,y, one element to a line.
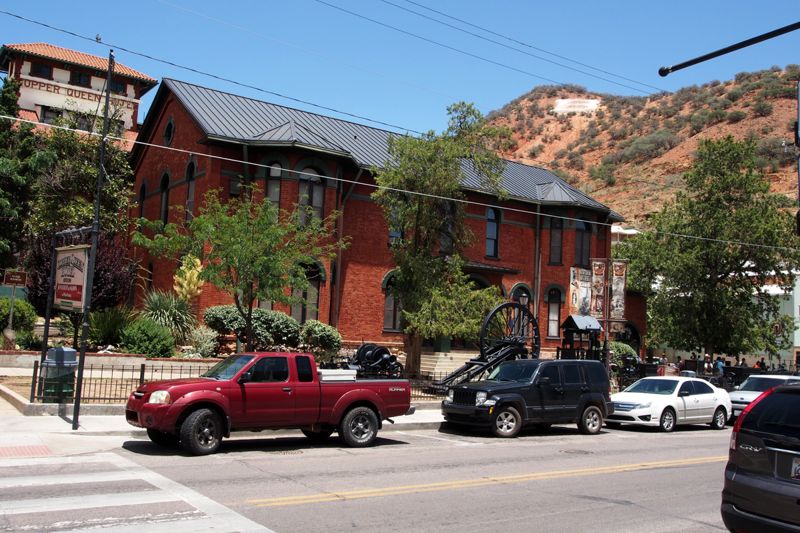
<point>762,477</point>
<point>533,391</point>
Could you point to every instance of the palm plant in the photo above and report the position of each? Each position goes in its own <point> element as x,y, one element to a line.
<point>169,310</point>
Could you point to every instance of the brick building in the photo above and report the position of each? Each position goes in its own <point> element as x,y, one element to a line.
<point>60,83</point>
<point>292,154</point>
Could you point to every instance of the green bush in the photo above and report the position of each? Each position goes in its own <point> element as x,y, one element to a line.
<point>106,326</point>
<point>322,340</point>
<point>149,338</point>
<point>170,311</point>
<point>736,116</point>
<point>24,315</point>
<point>204,341</point>
<point>762,108</point>
<point>223,319</point>
<point>28,340</point>
<point>270,328</point>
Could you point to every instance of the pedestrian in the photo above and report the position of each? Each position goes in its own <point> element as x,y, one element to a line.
<point>762,365</point>
<point>708,368</point>
<point>719,365</point>
<point>743,364</point>
<point>679,363</point>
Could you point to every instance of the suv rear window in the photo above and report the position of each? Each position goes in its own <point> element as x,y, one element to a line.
<point>777,413</point>
<point>596,374</point>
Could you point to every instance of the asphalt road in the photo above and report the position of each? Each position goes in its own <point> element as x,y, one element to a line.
<point>425,480</point>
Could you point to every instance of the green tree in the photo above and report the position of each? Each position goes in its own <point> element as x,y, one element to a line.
<point>709,291</point>
<point>248,249</point>
<point>18,156</point>
<point>421,189</point>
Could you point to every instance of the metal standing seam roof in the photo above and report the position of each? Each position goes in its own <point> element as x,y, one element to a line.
<point>228,117</point>
<point>50,51</point>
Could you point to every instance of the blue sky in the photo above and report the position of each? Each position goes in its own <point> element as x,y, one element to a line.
<point>313,52</point>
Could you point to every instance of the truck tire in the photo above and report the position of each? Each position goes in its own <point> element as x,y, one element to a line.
<point>161,438</point>
<point>507,422</point>
<point>318,437</point>
<point>359,427</point>
<point>591,420</point>
<point>201,432</point>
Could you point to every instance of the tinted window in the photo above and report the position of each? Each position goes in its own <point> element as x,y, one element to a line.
<point>702,388</point>
<point>304,369</point>
<point>226,368</point>
<point>551,371</point>
<point>572,374</point>
<point>654,386</point>
<point>686,387</point>
<point>777,413</point>
<point>521,371</point>
<point>596,374</point>
<point>271,369</point>
<point>760,384</point>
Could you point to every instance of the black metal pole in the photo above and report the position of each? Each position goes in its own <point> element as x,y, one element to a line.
<point>665,71</point>
<point>87,304</point>
<point>48,309</point>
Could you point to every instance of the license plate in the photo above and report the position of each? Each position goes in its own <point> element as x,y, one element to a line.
<point>794,473</point>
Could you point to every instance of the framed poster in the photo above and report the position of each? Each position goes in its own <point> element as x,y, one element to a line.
<point>71,270</point>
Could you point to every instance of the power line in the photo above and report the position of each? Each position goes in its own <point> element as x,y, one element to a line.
<point>393,189</point>
<point>515,48</point>
<point>511,39</point>
<point>93,40</point>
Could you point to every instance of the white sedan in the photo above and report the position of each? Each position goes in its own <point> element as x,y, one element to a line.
<point>665,402</point>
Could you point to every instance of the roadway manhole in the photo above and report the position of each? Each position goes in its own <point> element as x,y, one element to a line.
<point>577,452</point>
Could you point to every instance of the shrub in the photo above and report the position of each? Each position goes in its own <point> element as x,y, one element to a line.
<point>204,341</point>
<point>106,326</point>
<point>321,339</point>
<point>170,311</point>
<point>28,340</point>
<point>604,172</point>
<point>762,108</point>
<point>736,116</point>
<point>24,315</point>
<point>270,328</point>
<point>223,319</point>
<point>149,338</point>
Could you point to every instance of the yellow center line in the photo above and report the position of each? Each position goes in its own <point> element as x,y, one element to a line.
<point>478,482</point>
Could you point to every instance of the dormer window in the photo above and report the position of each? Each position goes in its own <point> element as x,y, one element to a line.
<point>41,70</point>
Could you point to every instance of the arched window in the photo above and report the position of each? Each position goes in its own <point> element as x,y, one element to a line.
<point>142,195</point>
<point>492,232</point>
<point>392,310</point>
<point>556,227</point>
<point>553,312</point>
<point>273,186</point>
<point>164,212</point>
<point>583,240</point>
<point>308,307</point>
<point>190,171</point>
<point>169,132</point>
<point>312,192</point>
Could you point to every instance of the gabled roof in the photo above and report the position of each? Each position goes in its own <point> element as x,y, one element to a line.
<point>582,323</point>
<point>230,118</point>
<point>50,51</point>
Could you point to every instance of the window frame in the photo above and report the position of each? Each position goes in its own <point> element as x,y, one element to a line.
<point>583,243</point>
<point>80,74</point>
<point>163,212</point>
<point>115,84</point>
<point>189,174</point>
<point>556,247</point>
<point>272,183</point>
<point>492,248</point>
<point>554,304</point>
<point>38,69</point>
<point>302,311</point>
<point>396,311</point>
<point>313,181</point>
<point>142,197</point>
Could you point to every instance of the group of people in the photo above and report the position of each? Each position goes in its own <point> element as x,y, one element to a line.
<point>717,366</point>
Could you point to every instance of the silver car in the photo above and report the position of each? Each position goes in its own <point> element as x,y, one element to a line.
<point>752,387</point>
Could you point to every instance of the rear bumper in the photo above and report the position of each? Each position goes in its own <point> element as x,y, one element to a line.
<point>411,410</point>
<point>737,520</point>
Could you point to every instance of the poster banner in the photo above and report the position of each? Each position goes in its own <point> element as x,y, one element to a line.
<point>619,272</point>
<point>71,263</point>
<point>598,289</point>
<point>580,291</point>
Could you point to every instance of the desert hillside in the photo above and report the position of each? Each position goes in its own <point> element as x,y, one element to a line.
<point>629,152</point>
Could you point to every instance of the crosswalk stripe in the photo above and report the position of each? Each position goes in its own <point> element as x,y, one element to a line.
<point>71,503</point>
<point>64,479</point>
<point>46,461</point>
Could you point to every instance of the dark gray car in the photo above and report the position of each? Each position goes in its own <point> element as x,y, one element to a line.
<point>762,477</point>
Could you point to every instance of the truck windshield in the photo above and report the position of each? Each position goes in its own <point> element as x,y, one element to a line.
<point>229,367</point>
<point>521,371</point>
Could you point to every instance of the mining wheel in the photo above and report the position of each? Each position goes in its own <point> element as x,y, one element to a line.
<point>509,323</point>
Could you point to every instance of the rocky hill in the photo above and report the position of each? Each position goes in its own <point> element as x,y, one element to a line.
<point>629,152</point>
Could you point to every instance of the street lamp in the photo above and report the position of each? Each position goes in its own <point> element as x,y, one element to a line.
<point>524,298</point>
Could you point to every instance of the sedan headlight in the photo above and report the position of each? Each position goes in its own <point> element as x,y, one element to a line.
<point>642,405</point>
<point>159,396</point>
<point>450,395</point>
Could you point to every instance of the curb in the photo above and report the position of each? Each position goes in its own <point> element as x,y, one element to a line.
<point>27,408</point>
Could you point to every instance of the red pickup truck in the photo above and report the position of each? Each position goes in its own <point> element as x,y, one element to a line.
<point>265,391</point>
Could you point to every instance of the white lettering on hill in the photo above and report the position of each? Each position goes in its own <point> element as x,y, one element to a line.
<point>576,105</point>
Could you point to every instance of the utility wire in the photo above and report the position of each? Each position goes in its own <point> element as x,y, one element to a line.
<point>393,189</point>
<point>504,45</point>
<point>437,43</point>
<point>511,39</point>
<point>93,40</point>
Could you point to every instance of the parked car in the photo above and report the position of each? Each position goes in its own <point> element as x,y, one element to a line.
<point>752,387</point>
<point>533,391</point>
<point>762,477</point>
<point>265,391</point>
<point>668,401</point>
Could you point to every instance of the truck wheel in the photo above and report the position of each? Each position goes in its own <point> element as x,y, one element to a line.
<point>318,436</point>
<point>507,422</point>
<point>161,438</point>
<point>591,420</point>
<point>359,427</point>
<point>201,432</point>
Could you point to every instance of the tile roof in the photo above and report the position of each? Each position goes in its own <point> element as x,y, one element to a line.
<point>228,117</point>
<point>66,55</point>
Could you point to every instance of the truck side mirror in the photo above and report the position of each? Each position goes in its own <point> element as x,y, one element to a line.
<point>244,378</point>
<point>544,380</point>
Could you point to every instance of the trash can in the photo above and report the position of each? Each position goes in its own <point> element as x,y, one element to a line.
<point>58,375</point>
